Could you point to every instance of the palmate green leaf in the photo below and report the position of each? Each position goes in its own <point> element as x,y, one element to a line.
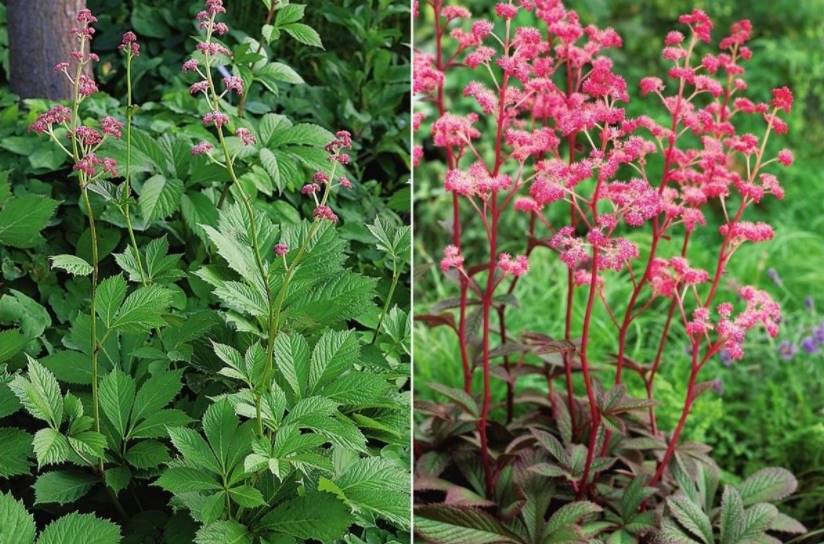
<point>117,393</point>
<point>456,525</point>
<point>691,517</point>
<point>242,298</point>
<point>118,478</point>
<point>147,454</point>
<point>62,486</point>
<point>379,486</point>
<point>220,425</point>
<point>335,353</point>
<point>356,389</point>
<point>333,301</point>
<point>22,219</point>
<point>194,448</point>
<point>270,162</point>
<point>50,447</point>
<point>246,496</point>
<point>88,443</point>
<point>78,528</point>
<point>223,532</point>
<point>317,516</point>
<point>160,266</point>
<point>155,393</point>
<point>109,297</point>
<point>235,248</point>
<point>339,431</point>
<point>768,484</point>
<point>40,394</point>
<point>292,362</point>
<point>142,310</point>
<point>159,198</point>
<point>185,480</point>
<point>72,264</point>
<point>15,450</point>
<point>16,524</point>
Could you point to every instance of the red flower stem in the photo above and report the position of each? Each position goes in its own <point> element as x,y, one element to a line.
<point>510,389</point>
<point>570,299</point>
<point>487,303</point>
<point>437,5</point>
<point>650,380</point>
<point>695,366</point>
<point>595,413</point>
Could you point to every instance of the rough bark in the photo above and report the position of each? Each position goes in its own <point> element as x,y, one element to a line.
<point>39,38</point>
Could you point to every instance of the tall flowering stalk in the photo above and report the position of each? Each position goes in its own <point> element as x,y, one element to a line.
<point>84,143</point>
<point>210,56</point>
<point>548,136</point>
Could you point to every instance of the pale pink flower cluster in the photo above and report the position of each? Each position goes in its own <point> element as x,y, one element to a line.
<point>87,139</point>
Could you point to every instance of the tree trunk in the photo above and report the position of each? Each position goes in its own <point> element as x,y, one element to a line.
<point>39,38</point>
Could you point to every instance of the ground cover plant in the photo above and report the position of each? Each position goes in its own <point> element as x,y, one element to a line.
<point>540,159</point>
<point>191,352</point>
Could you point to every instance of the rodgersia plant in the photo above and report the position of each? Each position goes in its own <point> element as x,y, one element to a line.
<point>541,153</point>
<point>253,388</point>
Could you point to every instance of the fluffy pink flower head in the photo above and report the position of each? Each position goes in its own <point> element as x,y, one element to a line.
<point>782,98</point>
<point>55,116</point>
<point>246,136</point>
<point>309,188</point>
<point>202,148</point>
<point>87,86</point>
<point>452,130</point>
<point>234,83</point>
<point>129,44</point>
<point>673,38</point>
<point>345,183</point>
<point>110,166</point>
<point>455,12</point>
<point>506,11</point>
<point>452,258</point>
<point>84,16</point>
<point>516,266</point>
<point>111,126</point>
<point>88,164</point>
<point>61,67</point>
<point>281,249</point>
<point>651,85</point>
<point>325,212</point>
<point>700,24</point>
<point>215,6</point>
<point>190,65</point>
<point>417,155</point>
<point>87,136</point>
<point>785,157</point>
<point>747,231</point>
<point>215,117</point>
<point>426,78</point>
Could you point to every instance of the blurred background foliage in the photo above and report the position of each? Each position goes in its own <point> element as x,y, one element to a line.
<point>767,411</point>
